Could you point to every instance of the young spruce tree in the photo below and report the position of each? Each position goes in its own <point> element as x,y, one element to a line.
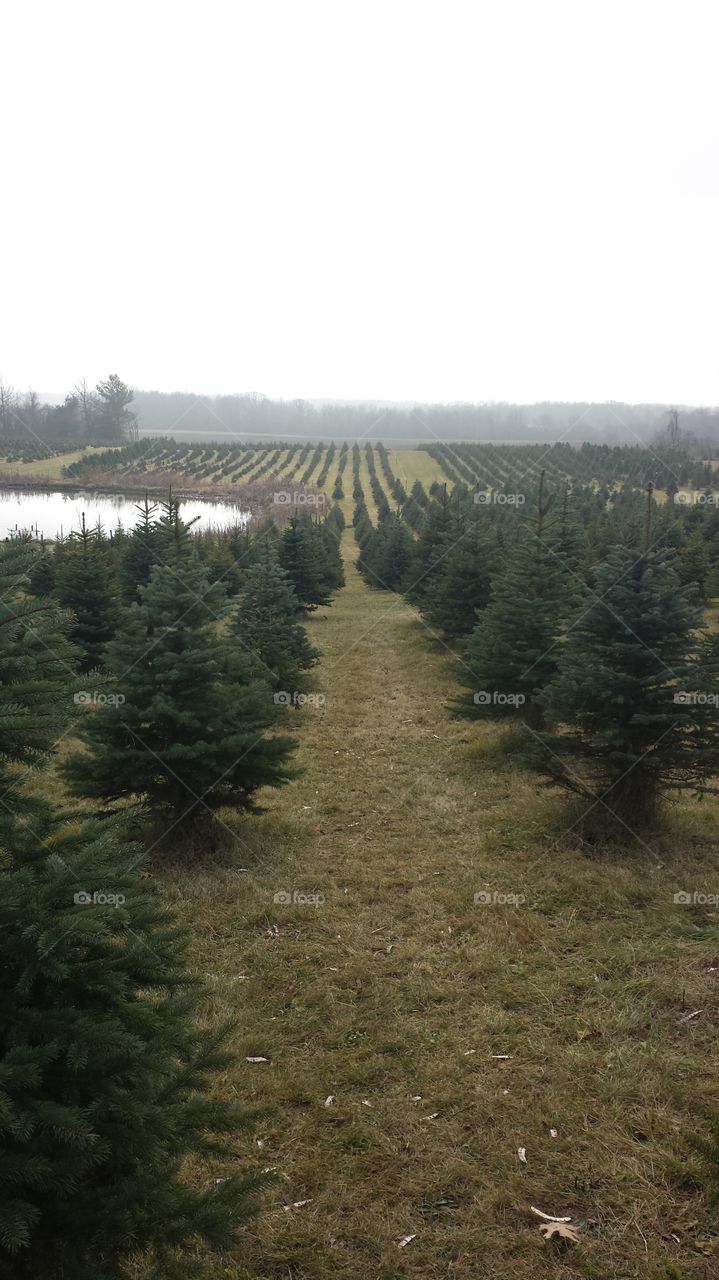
<point>637,692</point>
<point>462,590</point>
<point>513,651</point>
<point>38,667</point>
<point>190,735</point>
<point>141,550</point>
<point>85,587</point>
<point>387,553</point>
<point>267,629</point>
<point>303,554</point>
<point>104,1074</point>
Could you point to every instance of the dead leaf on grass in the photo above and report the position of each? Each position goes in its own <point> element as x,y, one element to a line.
<point>560,1229</point>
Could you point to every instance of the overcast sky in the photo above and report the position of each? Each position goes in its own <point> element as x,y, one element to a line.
<point>395,199</point>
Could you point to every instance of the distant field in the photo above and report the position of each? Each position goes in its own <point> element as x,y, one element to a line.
<point>415,464</point>
<point>222,464</point>
<point>50,467</point>
<point>198,437</point>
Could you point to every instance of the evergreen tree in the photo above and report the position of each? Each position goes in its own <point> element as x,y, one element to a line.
<point>141,551</point>
<point>104,1077</point>
<point>266,626</point>
<point>86,589</point>
<point>220,564</point>
<point>246,543</point>
<point>567,538</point>
<point>513,650</point>
<point>303,556</point>
<point>626,688</point>
<point>174,536</point>
<point>190,733</point>
<point>113,418</point>
<point>328,535</point>
<point>41,578</point>
<point>387,553</point>
<point>432,543</point>
<point>693,565</point>
<point>462,590</point>
<point>37,667</point>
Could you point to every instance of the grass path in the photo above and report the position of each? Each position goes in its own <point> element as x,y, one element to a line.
<point>396,995</point>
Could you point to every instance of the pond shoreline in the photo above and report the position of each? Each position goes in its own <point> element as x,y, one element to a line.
<point>130,491</point>
<point>51,511</point>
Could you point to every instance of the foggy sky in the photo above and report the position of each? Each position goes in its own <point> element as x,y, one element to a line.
<point>405,200</point>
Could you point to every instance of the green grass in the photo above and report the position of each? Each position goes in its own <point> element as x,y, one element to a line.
<point>50,468</point>
<point>415,464</point>
<point>398,992</point>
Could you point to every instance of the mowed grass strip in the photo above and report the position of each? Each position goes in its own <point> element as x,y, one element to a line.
<point>47,468</point>
<point>416,464</point>
<point>449,1034</point>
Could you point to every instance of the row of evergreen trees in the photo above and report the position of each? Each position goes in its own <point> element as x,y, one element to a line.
<point>580,621</point>
<point>181,675</point>
<point>95,575</point>
<point>105,1076</point>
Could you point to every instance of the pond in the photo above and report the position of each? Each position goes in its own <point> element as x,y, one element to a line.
<point>55,514</point>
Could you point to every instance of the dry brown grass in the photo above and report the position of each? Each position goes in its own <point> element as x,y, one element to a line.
<point>397,985</point>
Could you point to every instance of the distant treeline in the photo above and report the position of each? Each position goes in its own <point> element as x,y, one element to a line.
<point>397,423</point>
<point>87,415</point>
<point>112,411</point>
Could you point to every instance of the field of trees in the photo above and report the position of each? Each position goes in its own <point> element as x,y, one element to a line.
<point>360,885</point>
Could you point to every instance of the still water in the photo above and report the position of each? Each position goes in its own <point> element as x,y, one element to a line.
<point>56,514</point>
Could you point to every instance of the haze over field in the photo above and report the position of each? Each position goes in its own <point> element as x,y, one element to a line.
<point>398,201</point>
